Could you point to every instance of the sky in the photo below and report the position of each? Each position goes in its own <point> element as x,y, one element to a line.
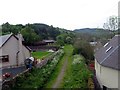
<point>68,14</point>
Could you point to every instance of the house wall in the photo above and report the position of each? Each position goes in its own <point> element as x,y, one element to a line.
<point>26,52</point>
<point>107,76</point>
<point>23,54</point>
<point>10,48</point>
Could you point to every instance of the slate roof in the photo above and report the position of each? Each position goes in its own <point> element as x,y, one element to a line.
<point>108,55</point>
<point>49,41</point>
<point>5,38</point>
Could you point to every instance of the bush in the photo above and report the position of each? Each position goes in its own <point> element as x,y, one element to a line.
<point>82,47</point>
<point>39,76</point>
<point>79,74</point>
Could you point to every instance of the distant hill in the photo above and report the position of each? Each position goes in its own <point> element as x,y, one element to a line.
<point>93,31</point>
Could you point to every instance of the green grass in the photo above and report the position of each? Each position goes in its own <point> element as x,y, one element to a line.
<point>69,70</point>
<point>68,50</point>
<point>41,54</point>
<point>53,77</point>
<point>37,77</point>
<point>77,74</point>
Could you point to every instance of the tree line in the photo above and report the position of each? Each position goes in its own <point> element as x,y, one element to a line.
<point>37,32</point>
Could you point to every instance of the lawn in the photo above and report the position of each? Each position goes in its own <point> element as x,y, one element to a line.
<point>41,54</point>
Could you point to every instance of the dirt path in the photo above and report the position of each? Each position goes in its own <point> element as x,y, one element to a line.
<point>61,75</point>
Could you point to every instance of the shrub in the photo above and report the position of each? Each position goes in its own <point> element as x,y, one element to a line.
<point>82,47</point>
<point>79,75</point>
<point>38,76</point>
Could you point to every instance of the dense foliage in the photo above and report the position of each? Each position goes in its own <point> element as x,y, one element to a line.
<point>66,38</point>
<point>78,77</point>
<point>29,35</point>
<point>67,56</point>
<point>35,32</point>
<point>38,76</point>
<point>95,34</point>
<point>84,48</point>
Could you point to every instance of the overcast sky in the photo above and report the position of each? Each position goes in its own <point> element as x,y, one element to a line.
<point>68,14</point>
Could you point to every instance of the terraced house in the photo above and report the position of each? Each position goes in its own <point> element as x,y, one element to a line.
<point>107,64</point>
<point>12,51</point>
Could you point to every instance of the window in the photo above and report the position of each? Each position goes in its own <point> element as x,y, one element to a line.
<point>109,49</point>
<point>4,58</point>
<point>106,44</point>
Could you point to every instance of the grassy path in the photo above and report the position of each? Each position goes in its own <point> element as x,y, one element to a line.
<point>61,75</point>
<point>57,77</point>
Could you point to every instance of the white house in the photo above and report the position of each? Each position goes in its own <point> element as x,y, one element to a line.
<point>12,51</point>
<point>107,64</point>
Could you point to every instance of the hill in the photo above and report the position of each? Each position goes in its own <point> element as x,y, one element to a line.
<point>34,32</point>
<point>93,31</point>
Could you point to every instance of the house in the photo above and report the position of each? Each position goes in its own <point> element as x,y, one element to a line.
<point>12,51</point>
<point>107,64</point>
<point>49,41</point>
<point>93,43</point>
<point>98,46</point>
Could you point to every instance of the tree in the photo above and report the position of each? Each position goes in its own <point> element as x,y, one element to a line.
<point>111,24</point>
<point>8,28</point>
<point>69,40</point>
<point>29,35</point>
<point>84,48</point>
<point>60,40</point>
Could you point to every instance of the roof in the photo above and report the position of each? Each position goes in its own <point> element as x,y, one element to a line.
<point>108,54</point>
<point>93,43</point>
<point>5,38</point>
<point>20,37</point>
<point>48,41</point>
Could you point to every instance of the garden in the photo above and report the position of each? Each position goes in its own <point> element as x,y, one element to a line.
<point>37,77</point>
<point>41,54</point>
<point>78,75</point>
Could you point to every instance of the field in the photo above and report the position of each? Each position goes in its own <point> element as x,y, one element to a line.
<point>41,54</point>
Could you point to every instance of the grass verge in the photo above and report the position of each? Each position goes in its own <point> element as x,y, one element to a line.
<point>67,54</point>
<point>77,75</point>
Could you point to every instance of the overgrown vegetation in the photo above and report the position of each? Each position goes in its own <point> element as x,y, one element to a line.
<point>78,76</point>
<point>38,76</point>
<point>67,53</point>
<point>36,32</point>
<point>83,47</point>
<point>66,38</point>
